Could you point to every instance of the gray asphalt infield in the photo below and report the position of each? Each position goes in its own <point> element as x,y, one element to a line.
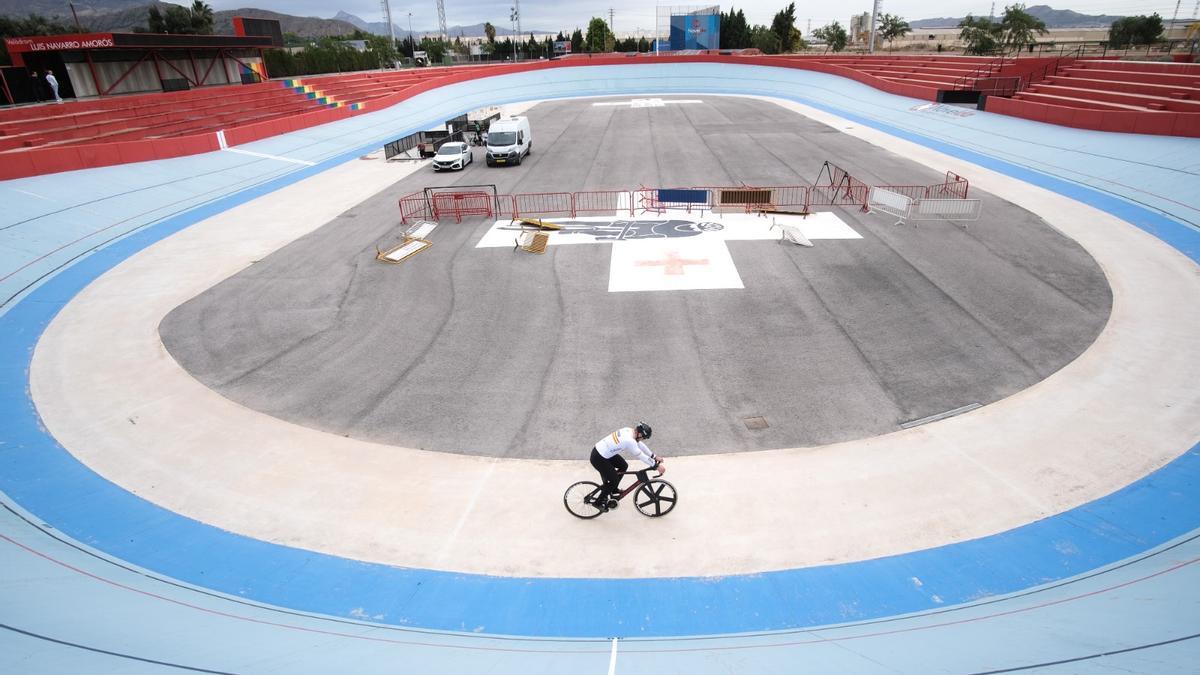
<point>485,351</point>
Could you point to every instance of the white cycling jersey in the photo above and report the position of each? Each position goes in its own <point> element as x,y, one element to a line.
<point>623,440</point>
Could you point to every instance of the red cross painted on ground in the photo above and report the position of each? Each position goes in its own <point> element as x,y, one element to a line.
<point>673,265</point>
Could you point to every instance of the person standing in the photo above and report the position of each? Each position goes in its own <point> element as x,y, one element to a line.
<point>36,84</point>
<point>53,82</point>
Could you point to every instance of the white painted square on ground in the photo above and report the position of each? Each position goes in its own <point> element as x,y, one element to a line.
<point>671,265</point>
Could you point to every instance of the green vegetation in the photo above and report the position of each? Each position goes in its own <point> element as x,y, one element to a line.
<point>1014,31</point>
<point>34,24</point>
<point>892,27</point>
<point>834,35</point>
<point>334,55</point>
<point>784,26</point>
<point>1018,26</point>
<point>735,32</point>
<point>198,20</point>
<point>780,37</point>
<point>764,39</point>
<point>1135,30</point>
<point>599,37</point>
<point>981,35</point>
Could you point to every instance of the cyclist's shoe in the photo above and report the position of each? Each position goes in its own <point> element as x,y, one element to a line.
<point>597,502</point>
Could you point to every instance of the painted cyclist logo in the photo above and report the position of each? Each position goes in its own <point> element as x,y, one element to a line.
<point>626,230</point>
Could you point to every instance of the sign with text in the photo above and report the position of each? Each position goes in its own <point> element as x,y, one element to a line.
<point>58,43</point>
<point>695,31</point>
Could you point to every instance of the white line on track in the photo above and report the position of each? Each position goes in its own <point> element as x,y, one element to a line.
<point>31,194</point>
<point>266,156</point>
<point>612,659</point>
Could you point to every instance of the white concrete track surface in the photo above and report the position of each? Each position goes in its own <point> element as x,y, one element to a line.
<point>109,393</point>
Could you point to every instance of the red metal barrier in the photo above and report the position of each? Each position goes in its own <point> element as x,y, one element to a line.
<point>602,201</point>
<point>461,204</point>
<point>913,192</point>
<point>955,186</point>
<point>829,195</point>
<point>413,207</point>
<point>541,204</point>
<point>506,206</point>
<point>850,192</point>
<point>792,197</point>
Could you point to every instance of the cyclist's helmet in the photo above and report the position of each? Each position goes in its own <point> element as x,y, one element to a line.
<point>643,430</point>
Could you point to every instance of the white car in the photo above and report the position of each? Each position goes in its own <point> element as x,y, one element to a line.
<point>452,156</point>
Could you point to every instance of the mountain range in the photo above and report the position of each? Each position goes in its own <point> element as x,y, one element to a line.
<point>109,16</point>
<point>380,28</point>
<point>1053,18</point>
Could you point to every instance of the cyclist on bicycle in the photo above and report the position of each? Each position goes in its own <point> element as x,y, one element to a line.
<point>606,458</point>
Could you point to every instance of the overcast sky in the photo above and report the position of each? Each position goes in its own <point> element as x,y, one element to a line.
<point>632,15</point>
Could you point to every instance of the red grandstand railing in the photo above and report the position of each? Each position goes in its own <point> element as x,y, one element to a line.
<point>602,201</point>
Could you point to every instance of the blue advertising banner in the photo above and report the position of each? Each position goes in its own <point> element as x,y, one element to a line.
<point>695,31</point>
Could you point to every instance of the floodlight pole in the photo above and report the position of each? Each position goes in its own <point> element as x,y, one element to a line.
<point>517,12</point>
<point>874,11</point>
<point>387,12</point>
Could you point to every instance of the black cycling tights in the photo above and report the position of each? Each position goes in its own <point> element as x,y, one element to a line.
<point>610,470</point>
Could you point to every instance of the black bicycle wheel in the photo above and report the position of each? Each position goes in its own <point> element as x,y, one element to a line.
<point>575,499</point>
<point>656,499</point>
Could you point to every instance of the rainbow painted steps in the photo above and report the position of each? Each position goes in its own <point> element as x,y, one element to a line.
<point>311,92</point>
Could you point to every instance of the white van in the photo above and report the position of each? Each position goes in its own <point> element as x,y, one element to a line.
<point>508,141</point>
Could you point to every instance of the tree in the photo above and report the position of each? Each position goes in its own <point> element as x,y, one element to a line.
<point>577,41</point>
<point>892,27</point>
<point>764,39</point>
<point>33,25</point>
<point>1135,30</point>
<point>598,35</point>
<point>981,35</point>
<point>1018,26</point>
<point>435,48</point>
<point>735,32</point>
<point>202,18</point>
<point>178,20</point>
<point>181,20</point>
<point>490,31</point>
<point>383,47</point>
<point>834,35</point>
<point>784,26</point>
<point>155,20</point>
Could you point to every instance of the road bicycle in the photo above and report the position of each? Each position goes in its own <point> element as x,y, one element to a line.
<point>653,497</point>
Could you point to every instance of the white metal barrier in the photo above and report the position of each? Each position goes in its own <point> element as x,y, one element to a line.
<point>887,201</point>
<point>964,210</point>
